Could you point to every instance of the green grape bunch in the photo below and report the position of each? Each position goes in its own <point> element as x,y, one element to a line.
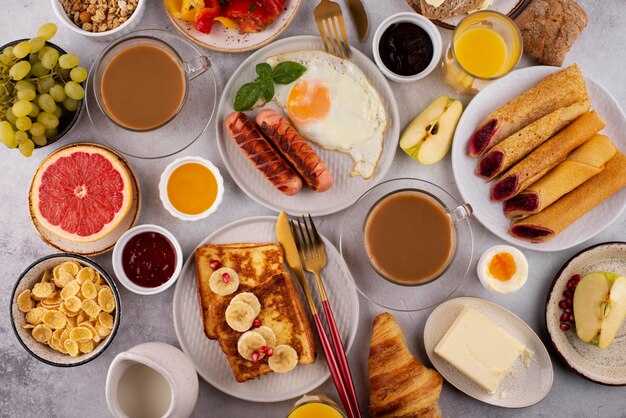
<point>38,86</point>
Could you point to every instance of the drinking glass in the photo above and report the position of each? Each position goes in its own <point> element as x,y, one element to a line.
<point>331,409</point>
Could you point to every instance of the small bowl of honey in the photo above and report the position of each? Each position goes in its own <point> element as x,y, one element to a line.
<point>191,188</point>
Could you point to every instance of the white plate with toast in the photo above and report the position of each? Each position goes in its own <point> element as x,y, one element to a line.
<point>346,189</point>
<point>475,190</point>
<point>206,354</point>
<point>525,387</point>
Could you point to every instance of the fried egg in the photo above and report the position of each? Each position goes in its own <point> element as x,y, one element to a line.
<point>503,269</point>
<point>334,105</point>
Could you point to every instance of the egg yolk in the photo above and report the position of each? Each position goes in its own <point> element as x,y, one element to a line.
<point>502,266</point>
<point>308,102</point>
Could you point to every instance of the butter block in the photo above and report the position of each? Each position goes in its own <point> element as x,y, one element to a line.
<point>480,349</point>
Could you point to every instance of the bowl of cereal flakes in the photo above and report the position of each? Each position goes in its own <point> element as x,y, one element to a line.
<point>65,310</point>
<point>103,20</point>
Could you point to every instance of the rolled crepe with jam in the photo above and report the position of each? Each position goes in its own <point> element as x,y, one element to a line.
<point>555,218</point>
<point>583,163</point>
<point>510,151</point>
<point>547,156</point>
<point>557,90</point>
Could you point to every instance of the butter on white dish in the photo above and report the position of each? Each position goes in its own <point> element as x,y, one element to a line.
<point>480,349</point>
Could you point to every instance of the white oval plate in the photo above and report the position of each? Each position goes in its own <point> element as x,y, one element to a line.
<point>227,40</point>
<point>529,386</point>
<point>207,356</point>
<point>475,190</point>
<point>345,189</point>
<point>606,366</point>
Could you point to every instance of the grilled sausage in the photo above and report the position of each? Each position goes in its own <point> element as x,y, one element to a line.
<point>252,143</point>
<point>295,149</point>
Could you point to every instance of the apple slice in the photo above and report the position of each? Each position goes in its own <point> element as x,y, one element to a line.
<point>428,138</point>
<point>614,312</point>
<point>590,298</point>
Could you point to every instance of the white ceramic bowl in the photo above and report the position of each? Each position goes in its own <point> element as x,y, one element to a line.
<point>165,176</point>
<point>107,36</point>
<point>420,21</point>
<point>119,269</point>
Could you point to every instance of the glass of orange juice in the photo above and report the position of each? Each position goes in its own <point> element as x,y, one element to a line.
<point>485,46</point>
<point>315,406</point>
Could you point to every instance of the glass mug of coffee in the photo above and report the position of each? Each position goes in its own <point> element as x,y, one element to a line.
<point>141,83</point>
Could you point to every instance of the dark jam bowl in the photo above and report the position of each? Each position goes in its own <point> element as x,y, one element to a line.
<point>67,120</point>
<point>118,259</point>
<point>424,26</point>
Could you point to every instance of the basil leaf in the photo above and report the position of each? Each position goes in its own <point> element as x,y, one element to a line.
<point>246,96</point>
<point>267,89</point>
<point>264,70</point>
<point>287,72</point>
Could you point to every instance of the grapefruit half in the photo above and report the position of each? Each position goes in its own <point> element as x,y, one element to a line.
<point>81,193</point>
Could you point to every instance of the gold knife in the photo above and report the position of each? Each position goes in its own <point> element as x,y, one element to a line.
<point>359,17</point>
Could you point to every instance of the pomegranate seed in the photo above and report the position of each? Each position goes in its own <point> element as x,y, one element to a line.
<point>263,349</point>
<point>564,317</point>
<point>569,303</point>
<point>214,264</point>
<point>571,319</point>
<point>226,277</point>
<point>269,352</point>
<point>255,356</point>
<point>568,310</point>
<point>571,284</point>
<point>577,277</point>
<point>565,326</point>
<point>562,304</point>
<point>568,294</point>
<point>256,323</point>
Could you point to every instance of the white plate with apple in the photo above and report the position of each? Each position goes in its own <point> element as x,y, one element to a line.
<point>475,190</point>
<point>598,305</point>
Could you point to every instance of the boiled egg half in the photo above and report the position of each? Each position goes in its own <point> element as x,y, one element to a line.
<point>503,269</point>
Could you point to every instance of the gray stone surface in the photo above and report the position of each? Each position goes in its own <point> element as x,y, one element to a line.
<point>29,388</point>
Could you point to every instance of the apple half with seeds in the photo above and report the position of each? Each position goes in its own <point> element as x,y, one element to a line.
<point>428,138</point>
<point>600,307</point>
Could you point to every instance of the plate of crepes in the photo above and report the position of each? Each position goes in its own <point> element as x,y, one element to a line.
<point>539,156</point>
<point>488,352</point>
<point>585,313</point>
<point>241,318</point>
<point>303,131</point>
<point>448,13</point>
<point>231,25</point>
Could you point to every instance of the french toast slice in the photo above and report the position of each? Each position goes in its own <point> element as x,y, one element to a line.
<point>281,310</point>
<point>255,264</point>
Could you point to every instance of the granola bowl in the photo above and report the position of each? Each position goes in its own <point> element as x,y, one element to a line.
<point>124,18</point>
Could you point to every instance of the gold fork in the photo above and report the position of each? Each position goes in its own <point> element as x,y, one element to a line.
<point>313,256</point>
<point>329,20</point>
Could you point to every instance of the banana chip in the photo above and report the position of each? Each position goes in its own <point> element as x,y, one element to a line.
<point>79,334</point>
<point>42,290</point>
<point>42,333</point>
<point>91,308</point>
<point>106,300</point>
<point>106,320</point>
<point>72,347</point>
<point>86,346</point>
<point>89,290</point>
<point>71,289</point>
<point>34,315</point>
<point>86,274</point>
<point>54,319</point>
<point>24,302</point>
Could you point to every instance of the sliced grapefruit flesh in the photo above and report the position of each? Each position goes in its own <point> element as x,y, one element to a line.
<point>81,193</point>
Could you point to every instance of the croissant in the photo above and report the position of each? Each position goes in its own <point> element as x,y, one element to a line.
<point>401,386</point>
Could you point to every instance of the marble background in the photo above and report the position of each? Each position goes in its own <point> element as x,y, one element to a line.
<point>29,388</point>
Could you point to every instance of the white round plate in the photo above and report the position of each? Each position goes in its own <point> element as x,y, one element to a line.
<point>475,190</point>
<point>529,386</point>
<point>230,40</point>
<point>606,366</point>
<point>345,189</point>
<point>207,356</point>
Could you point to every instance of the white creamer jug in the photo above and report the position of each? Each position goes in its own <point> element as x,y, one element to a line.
<point>152,380</point>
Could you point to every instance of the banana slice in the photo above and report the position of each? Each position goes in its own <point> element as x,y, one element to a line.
<point>250,343</point>
<point>284,359</point>
<point>224,281</point>
<point>239,316</point>
<point>250,299</point>
<point>268,334</point>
